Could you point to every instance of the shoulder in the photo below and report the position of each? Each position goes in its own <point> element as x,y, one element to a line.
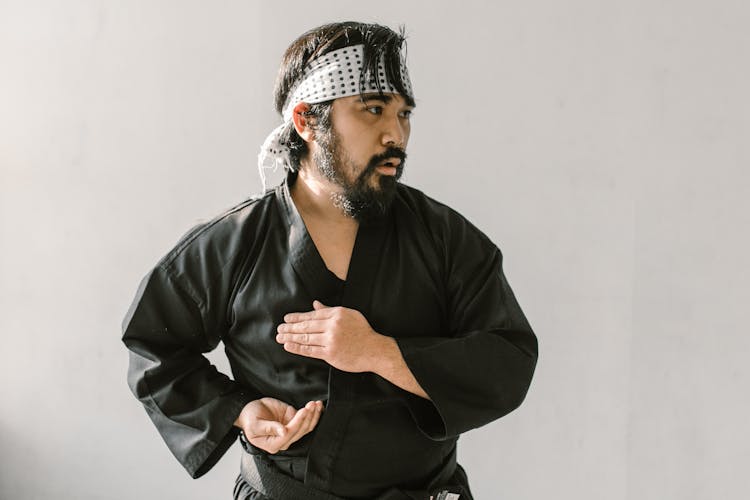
<point>225,236</point>
<point>447,226</point>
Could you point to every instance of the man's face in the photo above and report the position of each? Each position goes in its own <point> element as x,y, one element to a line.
<point>364,151</point>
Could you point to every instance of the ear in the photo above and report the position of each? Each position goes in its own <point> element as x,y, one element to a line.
<point>302,121</point>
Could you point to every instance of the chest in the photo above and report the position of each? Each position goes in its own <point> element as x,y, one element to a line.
<point>395,279</point>
<point>335,244</point>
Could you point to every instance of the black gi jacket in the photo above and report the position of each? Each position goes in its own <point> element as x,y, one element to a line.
<point>421,274</point>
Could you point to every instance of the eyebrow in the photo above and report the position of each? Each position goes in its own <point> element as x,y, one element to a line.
<point>384,98</point>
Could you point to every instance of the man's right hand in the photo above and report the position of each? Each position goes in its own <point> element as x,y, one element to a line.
<point>273,425</point>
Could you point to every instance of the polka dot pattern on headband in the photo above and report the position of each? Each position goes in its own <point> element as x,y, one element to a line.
<point>337,74</point>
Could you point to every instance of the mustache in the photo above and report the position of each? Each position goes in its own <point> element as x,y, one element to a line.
<point>391,152</point>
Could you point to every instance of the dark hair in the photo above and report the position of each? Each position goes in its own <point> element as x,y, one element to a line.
<point>377,40</point>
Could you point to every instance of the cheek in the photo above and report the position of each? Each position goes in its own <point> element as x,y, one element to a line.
<point>360,143</point>
<point>351,133</point>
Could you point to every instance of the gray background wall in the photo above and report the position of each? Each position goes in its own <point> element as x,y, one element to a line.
<point>603,145</point>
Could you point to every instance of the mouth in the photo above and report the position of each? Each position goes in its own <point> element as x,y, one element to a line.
<point>389,166</point>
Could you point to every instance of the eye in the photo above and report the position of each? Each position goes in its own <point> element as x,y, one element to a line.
<point>374,110</point>
<point>406,113</point>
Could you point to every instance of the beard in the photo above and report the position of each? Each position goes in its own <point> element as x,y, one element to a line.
<point>369,194</point>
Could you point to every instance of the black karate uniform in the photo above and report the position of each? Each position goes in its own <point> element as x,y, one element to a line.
<point>421,274</point>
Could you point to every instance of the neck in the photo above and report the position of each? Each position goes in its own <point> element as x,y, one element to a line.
<point>312,195</point>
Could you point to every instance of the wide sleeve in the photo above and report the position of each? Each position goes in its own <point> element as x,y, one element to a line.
<point>193,405</point>
<point>479,369</point>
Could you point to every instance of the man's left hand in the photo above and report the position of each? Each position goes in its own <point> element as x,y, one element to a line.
<point>340,336</point>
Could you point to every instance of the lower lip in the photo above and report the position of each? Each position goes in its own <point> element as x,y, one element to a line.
<point>387,170</point>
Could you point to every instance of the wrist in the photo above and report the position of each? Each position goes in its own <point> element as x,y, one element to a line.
<point>238,420</point>
<point>242,417</point>
<point>386,356</point>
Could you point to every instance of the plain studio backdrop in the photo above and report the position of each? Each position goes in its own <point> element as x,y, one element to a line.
<point>604,146</point>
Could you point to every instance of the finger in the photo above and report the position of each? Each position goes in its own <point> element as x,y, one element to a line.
<point>293,427</point>
<point>307,326</point>
<point>311,415</point>
<point>296,317</point>
<point>289,415</point>
<point>275,408</point>
<point>271,444</point>
<point>266,443</point>
<point>296,421</point>
<point>318,305</point>
<point>310,422</point>
<point>260,428</point>
<point>317,339</point>
<point>309,351</point>
<point>303,425</point>
<point>317,411</point>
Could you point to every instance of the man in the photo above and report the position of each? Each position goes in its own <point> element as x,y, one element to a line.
<point>367,326</point>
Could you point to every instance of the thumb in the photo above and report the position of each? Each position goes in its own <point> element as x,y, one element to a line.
<point>318,305</point>
<point>266,428</point>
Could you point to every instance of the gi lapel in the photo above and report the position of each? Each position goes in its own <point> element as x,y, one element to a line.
<point>358,291</point>
<point>331,431</point>
<point>364,265</point>
<point>303,255</point>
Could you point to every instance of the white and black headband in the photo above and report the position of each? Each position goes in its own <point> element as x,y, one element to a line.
<point>337,74</point>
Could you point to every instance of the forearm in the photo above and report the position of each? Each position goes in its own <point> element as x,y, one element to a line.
<point>390,364</point>
<point>344,339</point>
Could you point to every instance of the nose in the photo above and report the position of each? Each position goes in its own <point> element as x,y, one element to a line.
<point>395,133</point>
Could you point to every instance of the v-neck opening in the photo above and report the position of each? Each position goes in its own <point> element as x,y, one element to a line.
<point>308,262</point>
<point>335,277</point>
<point>304,254</point>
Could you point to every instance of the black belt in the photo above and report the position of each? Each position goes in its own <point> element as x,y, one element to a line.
<point>260,473</point>
<point>263,476</point>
